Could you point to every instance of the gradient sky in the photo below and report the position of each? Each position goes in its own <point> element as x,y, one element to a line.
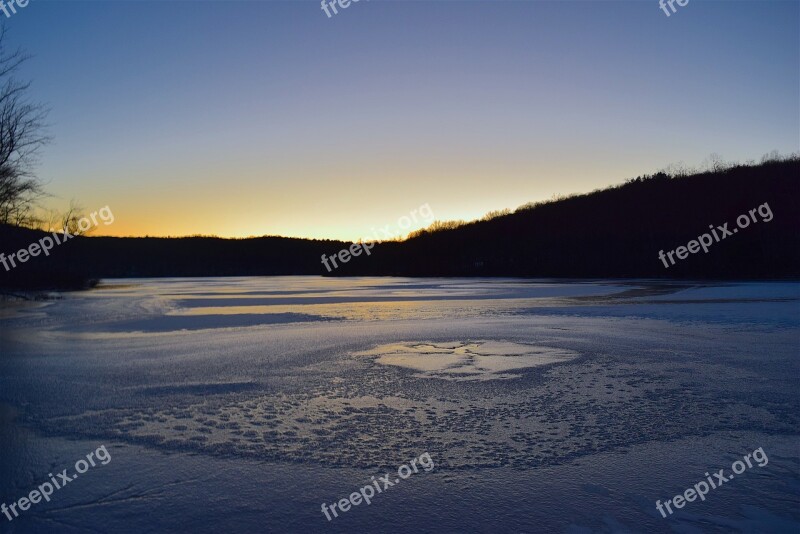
<point>240,118</point>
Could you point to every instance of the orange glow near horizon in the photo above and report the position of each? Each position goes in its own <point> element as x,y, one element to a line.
<point>326,203</point>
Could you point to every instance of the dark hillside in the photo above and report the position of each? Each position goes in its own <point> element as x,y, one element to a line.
<point>616,232</point>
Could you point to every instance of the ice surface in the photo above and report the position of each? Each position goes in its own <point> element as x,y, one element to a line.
<point>483,360</point>
<point>242,404</point>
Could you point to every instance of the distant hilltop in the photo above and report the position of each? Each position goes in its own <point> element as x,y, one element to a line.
<point>618,232</point>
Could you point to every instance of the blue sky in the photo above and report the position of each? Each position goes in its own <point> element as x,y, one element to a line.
<point>244,118</point>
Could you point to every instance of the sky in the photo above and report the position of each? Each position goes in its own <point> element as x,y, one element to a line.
<point>239,118</point>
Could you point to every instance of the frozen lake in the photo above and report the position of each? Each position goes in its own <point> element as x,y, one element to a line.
<point>244,404</point>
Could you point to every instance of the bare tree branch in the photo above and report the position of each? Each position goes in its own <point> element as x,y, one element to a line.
<point>22,135</point>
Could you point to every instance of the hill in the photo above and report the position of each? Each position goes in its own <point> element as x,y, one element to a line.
<point>618,232</point>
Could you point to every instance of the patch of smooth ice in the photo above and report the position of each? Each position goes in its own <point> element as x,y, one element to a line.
<point>480,360</point>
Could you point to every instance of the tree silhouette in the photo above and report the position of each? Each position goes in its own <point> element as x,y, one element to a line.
<point>21,136</point>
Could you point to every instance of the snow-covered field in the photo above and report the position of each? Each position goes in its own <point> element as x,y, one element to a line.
<point>244,404</point>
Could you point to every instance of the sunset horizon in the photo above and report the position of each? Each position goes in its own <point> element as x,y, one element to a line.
<point>236,139</point>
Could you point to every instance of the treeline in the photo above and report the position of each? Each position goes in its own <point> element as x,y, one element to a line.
<point>82,260</point>
<point>619,231</point>
<point>616,232</point>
